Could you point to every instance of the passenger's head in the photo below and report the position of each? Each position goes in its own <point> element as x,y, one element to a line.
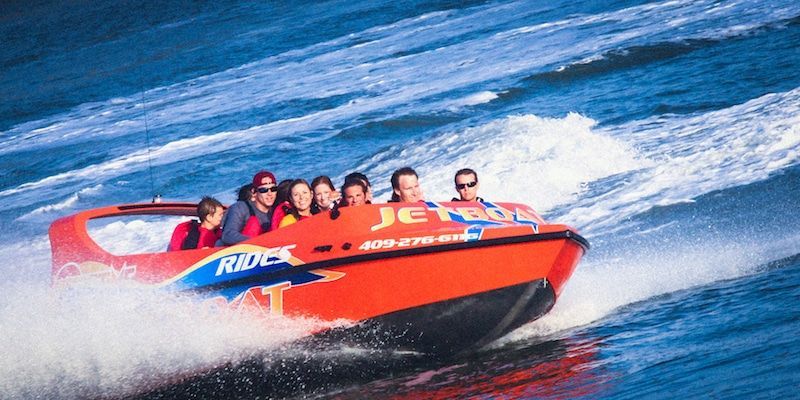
<point>362,178</point>
<point>323,191</point>
<point>354,192</point>
<point>405,186</point>
<point>467,185</point>
<point>300,196</point>
<point>210,212</point>
<point>245,193</point>
<point>264,188</point>
<point>283,191</point>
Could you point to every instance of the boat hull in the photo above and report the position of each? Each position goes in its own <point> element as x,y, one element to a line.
<point>450,326</point>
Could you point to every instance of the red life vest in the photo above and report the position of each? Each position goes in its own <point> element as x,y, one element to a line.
<point>252,227</point>
<point>278,212</point>
<point>190,235</point>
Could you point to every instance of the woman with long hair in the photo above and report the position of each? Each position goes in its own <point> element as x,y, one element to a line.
<point>300,197</point>
<point>325,194</point>
<point>282,204</point>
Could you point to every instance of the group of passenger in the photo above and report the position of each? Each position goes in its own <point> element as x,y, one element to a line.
<point>266,204</point>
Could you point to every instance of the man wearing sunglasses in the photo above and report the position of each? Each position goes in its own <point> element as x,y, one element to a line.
<point>251,218</point>
<point>467,185</point>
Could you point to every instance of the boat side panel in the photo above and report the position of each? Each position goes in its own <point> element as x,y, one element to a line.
<point>402,224</point>
<point>372,288</point>
<point>74,250</point>
<point>564,265</point>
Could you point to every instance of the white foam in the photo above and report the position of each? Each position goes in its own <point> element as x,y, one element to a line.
<point>25,260</point>
<point>113,341</point>
<point>543,162</point>
<point>691,156</point>
<point>66,204</point>
<point>474,99</point>
<point>135,236</point>
<point>695,155</point>
<point>599,287</point>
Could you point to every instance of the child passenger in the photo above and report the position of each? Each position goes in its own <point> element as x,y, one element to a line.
<point>300,198</point>
<point>200,234</point>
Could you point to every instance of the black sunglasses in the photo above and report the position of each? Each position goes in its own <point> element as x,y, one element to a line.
<point>265,190</point>
<point>460,186</point>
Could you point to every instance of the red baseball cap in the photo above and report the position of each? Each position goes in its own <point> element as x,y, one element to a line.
<point>259,178</point>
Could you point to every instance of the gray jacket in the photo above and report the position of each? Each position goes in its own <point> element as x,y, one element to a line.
<point>236,218</point>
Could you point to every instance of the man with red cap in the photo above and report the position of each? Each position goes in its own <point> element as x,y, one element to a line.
<point>247,218</point>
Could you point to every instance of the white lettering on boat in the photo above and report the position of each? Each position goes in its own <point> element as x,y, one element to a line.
<point>493,214</point>
<point>246,261</point>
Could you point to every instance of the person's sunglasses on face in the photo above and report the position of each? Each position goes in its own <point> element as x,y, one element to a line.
<point>267,189</point>
<point>461,186</point>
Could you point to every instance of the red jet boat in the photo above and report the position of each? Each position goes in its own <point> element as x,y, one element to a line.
<point>433,277</point>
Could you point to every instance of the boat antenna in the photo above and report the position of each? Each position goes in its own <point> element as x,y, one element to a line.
<point>156,196</point>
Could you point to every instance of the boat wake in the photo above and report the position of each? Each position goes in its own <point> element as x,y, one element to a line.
<point>105,341</point>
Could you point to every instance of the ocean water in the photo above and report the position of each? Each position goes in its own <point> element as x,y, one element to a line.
<point>667,132</point>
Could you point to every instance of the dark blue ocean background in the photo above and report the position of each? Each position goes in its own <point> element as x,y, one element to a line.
<point>667,132</point>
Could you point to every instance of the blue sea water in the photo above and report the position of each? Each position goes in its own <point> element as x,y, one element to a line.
<point>667,132</point>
